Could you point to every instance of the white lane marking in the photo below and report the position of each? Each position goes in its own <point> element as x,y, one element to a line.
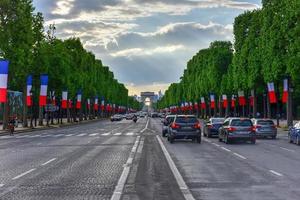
<point>45,135</point>
<point>123,178</point>
<point>70,135</point>
<point>23,174</point>
<point>106,134</point>
<point>228,150</point>
<point>129,133</point>
<point>182,185</point>
<point>240,156</point>
<point>82,134</point>
<point>49,161</point>
<point>118,134</point>
<point>94,134</point>
<point>34,136</point>
<point>1,185</point>
<point>276,173</point>
<point>217,145</point>
<point>145,126</point>
<point>58,135</point>
<point>287,149</point>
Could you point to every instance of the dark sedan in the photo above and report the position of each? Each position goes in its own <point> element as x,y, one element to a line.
<point>185,127</point>
<point>237,129</point>
<point>211,129</point>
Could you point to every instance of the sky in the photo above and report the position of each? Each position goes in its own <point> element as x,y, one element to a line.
<point>146,43</point>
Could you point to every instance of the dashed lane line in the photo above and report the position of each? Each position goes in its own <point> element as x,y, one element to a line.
<point>94,134</point>
<point>290,150</point>
<point>69,135</point>
<point>240,156</point>
<point>23,174</point>
<point>1,185</point>
<point>276,173</point>
<point>49,161</point>
<point>129,133</point>
<point>118,134</point>
<point>181,183</point>
<point>82,134</point>
<point>106,134</point>
<point>117,194</point>
<point>228,150</point>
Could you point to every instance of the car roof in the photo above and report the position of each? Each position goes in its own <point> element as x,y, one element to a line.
<point>185,116</point>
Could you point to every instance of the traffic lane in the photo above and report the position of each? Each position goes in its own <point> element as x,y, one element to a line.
<point>13,162</point>
<point>212,172</point>
<point>271,155</point>
<point>151,176</point>
<point>88,172</point>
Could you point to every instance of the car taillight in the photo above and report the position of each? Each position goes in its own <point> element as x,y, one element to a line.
<point>197,125</point>
<point>231,129</point>
<point>254,128</point>
<point>274,126</point>
<point>210,126</point>
<point>175,126</point>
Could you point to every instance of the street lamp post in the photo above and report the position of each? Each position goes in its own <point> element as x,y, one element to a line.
<point>31,109</point>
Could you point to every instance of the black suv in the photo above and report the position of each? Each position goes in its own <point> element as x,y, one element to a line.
<point>185,127</point>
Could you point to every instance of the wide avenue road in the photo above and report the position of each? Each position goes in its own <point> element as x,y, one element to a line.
<point>127,160</point>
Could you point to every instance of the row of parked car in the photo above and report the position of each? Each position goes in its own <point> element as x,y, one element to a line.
<point>227,130</point>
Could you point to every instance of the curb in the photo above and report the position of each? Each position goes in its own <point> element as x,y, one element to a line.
<point>52,126</point>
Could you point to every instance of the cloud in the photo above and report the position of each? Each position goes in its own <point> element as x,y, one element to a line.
<point>147,52</point>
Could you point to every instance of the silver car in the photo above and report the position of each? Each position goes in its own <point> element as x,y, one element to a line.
<point>166,124</point>
<point>264,128</point>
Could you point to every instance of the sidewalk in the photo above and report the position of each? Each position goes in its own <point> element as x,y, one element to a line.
<point>21,129</point>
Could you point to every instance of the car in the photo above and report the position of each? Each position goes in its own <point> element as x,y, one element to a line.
<point>166,124</point>
<point>211,128</point>
<point>116,118</point>
<point>237,129</point>
<point>154,115</point>
<point>185,127</point>
<point>294,134</point>
<point>129,116</point>
<point>264,128</point>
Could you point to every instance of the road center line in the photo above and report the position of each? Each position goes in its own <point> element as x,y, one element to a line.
<point>276,173</point>
<point>240,156</point>
<point>217,145</point>
<point>181,183</point>
<point>287,149</point>
<point>23,174</point>
<point>49,161</point>
<point>123,178</point>
<point>228,150</point>
<point>145,126</point>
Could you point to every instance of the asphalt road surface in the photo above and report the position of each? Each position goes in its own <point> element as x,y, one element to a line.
<point>127,160</point>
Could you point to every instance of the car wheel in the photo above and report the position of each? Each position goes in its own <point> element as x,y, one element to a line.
<point>227,141</point>
<point>220,139</point>
<point>171,140</point>
<point>208,135</point>
<point>298,140</point>
<point>199,140</point>
<point>274,137</point>
<point>290,139</point>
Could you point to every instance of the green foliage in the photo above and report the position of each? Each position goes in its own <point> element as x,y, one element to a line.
<point>266,48</point>
<point>69,66</point>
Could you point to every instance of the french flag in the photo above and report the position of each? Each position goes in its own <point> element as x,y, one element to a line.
<point>3,80</point>
<point>196,105</point>
<point>29,87</point>
<point>232,101</point>
<point>242,100</point>
<point>225,101</point>
<point>96,104</point>
<point>64,101</point>
<point>70,103</point>
<point>285,91</point>
<point>271,91</point>
<point>88,104</point>
<point>43,91</point>
<point>78,102</point>
<point>102,104</point>
<point>212,101</point>
<point>203,105</point>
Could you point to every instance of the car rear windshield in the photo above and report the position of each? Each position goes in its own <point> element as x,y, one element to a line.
<point>214,121</point>
<point>265,122</point>
<point>241,122</point>
<point>186,120</point>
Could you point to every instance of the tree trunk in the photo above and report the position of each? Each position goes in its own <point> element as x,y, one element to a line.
<point>40,116</point>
